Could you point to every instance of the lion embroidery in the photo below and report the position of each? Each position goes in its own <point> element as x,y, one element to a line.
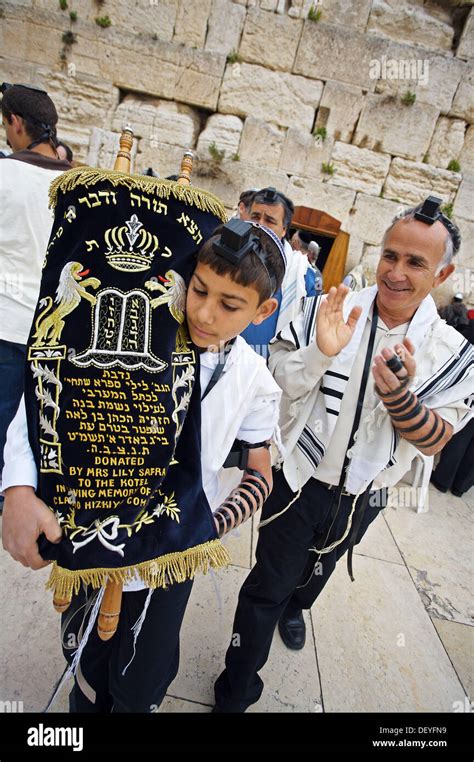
<point>71,289</point>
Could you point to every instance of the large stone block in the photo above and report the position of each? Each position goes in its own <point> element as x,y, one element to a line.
<point>318,155</point>
<point>359,168</point>
<point>317,194</point>
<point>339,110</point>
<point>158,121</point>
<point>295,150</point>
<point>191,23</point>
<point>330,51</point>
<point>447,142</point>
<point>270,40</point>
<point>167,71</point>
<point>466,157</point>
<point>164,158</point>
<point>432,77</point>
<point>410,182</point>
<point>369,262</point>
<point>466,43</point>
<point>234,177</point>
<point>153,17</point>
<point>464,203</point>
<point>12,70</point>
<point>78,138</point>
<point>463,103</point>
<point>138,113</point>
<point>80,101</point>
<point>261,143</point>
<point>346,12</point>
<point>13,38</point>
<point>466,255</point>
<point>299,9</point>
<point>224,37</point>
<point>371,217</point>
<point>354,255</point>
<point>407,23</point>
<point>224,131</point>
<point>388,125</point>
<point>285,99</point>
<point>103,149</point>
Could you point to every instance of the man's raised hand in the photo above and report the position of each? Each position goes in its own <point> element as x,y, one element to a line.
<point>332,333</point>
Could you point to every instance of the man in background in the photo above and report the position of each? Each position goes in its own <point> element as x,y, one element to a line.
<point>29,118</point>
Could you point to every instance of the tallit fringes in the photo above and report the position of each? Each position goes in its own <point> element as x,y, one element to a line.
<point>197,197</point>
<point>159,572</point>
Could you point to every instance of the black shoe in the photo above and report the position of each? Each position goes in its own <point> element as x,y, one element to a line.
<point>292,630</point>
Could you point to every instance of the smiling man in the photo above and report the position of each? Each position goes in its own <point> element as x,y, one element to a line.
<point>370,379</point>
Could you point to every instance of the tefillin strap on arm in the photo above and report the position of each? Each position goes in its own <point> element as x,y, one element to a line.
<point>236,242</point>
<point>408,409</point>
<point>247,498</point>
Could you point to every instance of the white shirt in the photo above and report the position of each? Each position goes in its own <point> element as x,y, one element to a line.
<point>25,227</point>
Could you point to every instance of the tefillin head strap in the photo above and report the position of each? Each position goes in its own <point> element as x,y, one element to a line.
<point>430,213</point>
<point>237,241</point>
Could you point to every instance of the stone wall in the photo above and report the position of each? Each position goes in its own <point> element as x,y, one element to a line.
<point>357,107</point>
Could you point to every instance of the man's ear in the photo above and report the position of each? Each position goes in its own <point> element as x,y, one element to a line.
<point>264,311</point>
<point>443,275</point>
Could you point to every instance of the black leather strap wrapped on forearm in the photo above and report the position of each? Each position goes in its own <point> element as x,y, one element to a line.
<point>242,502</point>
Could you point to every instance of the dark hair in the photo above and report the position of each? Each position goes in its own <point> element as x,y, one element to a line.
<point>69,154</point>
<point>305,236</point>
<point>246,198</point>
<point>274,198</point>
<point>251,272</point>
<point>36,109</point>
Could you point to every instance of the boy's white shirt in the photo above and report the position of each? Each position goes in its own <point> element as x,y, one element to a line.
<point>244,404</point>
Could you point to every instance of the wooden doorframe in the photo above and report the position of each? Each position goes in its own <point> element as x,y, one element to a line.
<point>321,223</point>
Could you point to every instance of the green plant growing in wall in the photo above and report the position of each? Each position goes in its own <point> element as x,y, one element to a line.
<point>448,209</point>
<point>236,157</point>
<point>103,21</point>
<point>328,168</point>
<point>408,98</point>
<point>320,132</point>
<point>73,16</point>
<point>69,38</point>
<point>233,57</point>
<point>216,155</point>
<point>454,166</point>
<point>314,14</point>
<point>63,5</point>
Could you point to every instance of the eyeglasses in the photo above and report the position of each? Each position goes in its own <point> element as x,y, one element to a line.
<point>6,86</point>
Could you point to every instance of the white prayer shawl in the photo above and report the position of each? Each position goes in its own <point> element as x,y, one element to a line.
<point>444,376</point>
<point>293,288</point>
<point>245,377</point>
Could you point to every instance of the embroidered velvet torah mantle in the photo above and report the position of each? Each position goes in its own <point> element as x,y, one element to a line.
<point>112,382</point>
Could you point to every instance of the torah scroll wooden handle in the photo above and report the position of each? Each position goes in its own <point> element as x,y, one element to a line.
<point>109,613</point>
<point>184,177</point>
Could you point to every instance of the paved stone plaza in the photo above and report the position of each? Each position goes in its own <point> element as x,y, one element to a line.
<point>398,639</point>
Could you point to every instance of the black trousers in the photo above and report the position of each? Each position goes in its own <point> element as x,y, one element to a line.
<point>99,685</point>
<point>455,469</point>
<point>282,576</point>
